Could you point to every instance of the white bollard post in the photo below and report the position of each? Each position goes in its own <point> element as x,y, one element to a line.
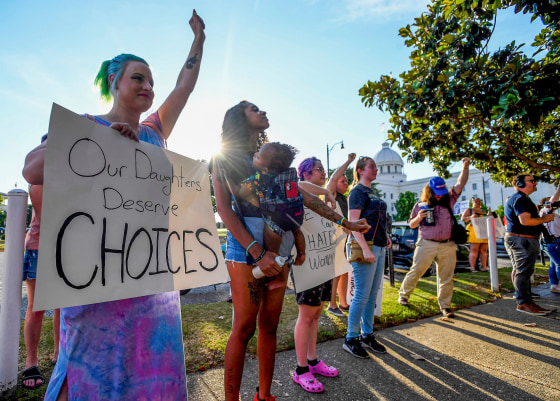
<point>379,299</point>
<point>10,315</point>
<point>492,254</point>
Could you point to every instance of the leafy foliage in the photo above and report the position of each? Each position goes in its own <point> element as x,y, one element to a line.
<point>501,109</point>
<point>500,211</point>
<point>404,205</point>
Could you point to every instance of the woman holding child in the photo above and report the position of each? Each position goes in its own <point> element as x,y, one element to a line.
<point>243,134</point>
<point>132,348</point>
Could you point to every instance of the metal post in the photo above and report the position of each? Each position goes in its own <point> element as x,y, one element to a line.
<point>391,266</point>
<point>492,254</point>
<point>10,315</point>
<point>328,160</point>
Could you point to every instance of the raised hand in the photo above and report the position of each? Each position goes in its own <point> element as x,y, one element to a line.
<point>197,25</point>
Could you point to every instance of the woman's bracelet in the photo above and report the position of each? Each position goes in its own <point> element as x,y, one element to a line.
<point>249,247</point>
<point>260,256</point>
<point>339,222</point>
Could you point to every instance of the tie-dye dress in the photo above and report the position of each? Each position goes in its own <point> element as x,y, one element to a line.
<point>130,349</point>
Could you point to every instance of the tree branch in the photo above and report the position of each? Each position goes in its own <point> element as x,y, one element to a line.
<point>521,156</point>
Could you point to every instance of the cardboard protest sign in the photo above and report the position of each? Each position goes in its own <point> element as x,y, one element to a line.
<point>324,251</point>
<point>500,229</point>
<point>121,219</point>
<point>460,207</point>
<point>479,225</point>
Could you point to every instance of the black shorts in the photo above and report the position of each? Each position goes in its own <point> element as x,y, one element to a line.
<point>314,296</point>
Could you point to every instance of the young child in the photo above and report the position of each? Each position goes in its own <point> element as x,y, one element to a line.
<point>273,189</point>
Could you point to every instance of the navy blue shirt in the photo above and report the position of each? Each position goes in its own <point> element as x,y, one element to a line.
<point>517,204</point>
<point>373,209</point>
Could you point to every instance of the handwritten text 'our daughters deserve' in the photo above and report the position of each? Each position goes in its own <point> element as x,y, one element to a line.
<point>142,169</point>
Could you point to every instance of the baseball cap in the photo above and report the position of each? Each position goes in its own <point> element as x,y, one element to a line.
<point>437,184</point>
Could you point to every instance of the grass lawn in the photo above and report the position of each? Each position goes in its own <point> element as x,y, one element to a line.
<point>206,327</point>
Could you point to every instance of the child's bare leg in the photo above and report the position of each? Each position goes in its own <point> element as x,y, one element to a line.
<point>272,242</point>
<point>299,239</point>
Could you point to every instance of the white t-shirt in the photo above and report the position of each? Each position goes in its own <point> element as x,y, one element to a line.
<point>553,227</point>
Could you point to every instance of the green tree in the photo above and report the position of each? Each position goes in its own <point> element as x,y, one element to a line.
<point>500,211</point>
<point>458,99</point>
<point>404,205</point>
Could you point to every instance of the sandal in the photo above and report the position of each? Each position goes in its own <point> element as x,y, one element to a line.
<point>308,382</point>
<point>323,369</point>
<point>32,373</point>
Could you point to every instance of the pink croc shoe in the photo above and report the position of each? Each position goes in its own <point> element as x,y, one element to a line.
<point>323,369</point>
<point>308,382</point>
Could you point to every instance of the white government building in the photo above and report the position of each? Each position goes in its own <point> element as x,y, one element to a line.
<point>391,181</point>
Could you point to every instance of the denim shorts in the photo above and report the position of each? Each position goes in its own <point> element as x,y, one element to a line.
<point>30,264</point>
<point>236,253</point>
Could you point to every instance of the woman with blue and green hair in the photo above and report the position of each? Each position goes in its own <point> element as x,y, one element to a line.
<point>131,348</point>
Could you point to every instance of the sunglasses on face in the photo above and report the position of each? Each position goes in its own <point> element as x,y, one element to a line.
<point>533,181</point>
<point>319,169</point>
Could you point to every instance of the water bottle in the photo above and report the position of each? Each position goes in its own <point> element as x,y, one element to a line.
<point>257,272</point>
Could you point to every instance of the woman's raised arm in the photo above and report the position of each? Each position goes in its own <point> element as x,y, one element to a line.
<point>333,180</point>
<point>172,106</point>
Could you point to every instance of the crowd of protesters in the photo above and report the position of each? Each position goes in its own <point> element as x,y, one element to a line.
<point>94,359</point>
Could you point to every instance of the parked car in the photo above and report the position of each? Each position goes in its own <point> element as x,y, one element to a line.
<point>404,239</point>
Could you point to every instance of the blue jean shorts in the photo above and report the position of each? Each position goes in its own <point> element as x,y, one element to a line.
<point>236,253</point>
<point>30,264</point>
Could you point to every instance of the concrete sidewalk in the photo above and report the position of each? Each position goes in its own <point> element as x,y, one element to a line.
<point>486,353</point>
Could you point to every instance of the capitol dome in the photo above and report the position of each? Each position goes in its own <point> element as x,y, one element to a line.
<point>387,156</point>
<point>388,161</point>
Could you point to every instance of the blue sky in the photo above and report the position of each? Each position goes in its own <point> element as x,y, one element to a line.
<point>303,61</point>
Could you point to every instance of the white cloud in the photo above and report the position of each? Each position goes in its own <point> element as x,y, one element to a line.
<point>382,9</point>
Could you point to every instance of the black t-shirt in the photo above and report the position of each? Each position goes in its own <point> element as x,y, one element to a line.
<point>343,202</point>
<point>373,209</point>
<point>520,203</point>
